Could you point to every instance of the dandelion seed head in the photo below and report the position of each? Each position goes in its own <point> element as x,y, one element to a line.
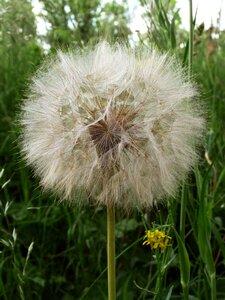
<point>122,127</point>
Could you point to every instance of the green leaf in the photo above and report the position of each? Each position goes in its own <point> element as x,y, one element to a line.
<point>169,293</point>
<point>183,261</point>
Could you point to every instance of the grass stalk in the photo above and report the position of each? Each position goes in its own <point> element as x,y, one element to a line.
<point>111,259</point>
<point>213,286</point>
<point>191,39</point>
<point>159,281</point>
<point>185,273</point>
<point>183,213</point>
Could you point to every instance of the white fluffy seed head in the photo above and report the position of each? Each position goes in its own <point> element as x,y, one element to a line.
<point>122,127</point>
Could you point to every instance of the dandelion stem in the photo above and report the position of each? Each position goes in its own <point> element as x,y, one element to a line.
<point>111,253</point>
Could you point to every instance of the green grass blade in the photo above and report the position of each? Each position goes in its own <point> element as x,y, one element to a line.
<point>184,263</point>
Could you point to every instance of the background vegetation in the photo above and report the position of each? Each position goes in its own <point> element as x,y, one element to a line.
<point>50,251</point>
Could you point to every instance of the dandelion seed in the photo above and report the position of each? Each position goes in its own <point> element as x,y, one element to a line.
<point>122,127</point>
<point>157,239</point>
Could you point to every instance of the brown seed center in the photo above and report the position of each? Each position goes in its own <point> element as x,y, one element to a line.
<point>105,135</point>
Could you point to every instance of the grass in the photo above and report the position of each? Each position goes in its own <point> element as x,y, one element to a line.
<point>52,251</point>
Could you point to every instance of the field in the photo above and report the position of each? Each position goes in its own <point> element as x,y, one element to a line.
<point>55,251</point>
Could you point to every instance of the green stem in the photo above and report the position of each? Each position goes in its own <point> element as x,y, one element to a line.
<point>103,272</point>
<point>191,38</point>
<point>185,287</point>
<point>111,253</point>
<point>183,213</point>
<point>159,279</point>
<point>213,286</point>
<point>186,292</point>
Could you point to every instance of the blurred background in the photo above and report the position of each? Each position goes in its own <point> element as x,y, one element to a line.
<point>50,251</point>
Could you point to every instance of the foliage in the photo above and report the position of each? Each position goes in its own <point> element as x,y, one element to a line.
<point>163,21</point>
<point>76,23</point>
<point>19,56</point>
<point>52,251</point>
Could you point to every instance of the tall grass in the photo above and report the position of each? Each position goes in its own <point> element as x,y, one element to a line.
<point>49,251</point>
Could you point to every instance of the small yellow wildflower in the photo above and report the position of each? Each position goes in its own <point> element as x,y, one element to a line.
<point>157,239</point>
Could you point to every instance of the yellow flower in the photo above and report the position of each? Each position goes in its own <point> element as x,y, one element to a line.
<point>157,239</point>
